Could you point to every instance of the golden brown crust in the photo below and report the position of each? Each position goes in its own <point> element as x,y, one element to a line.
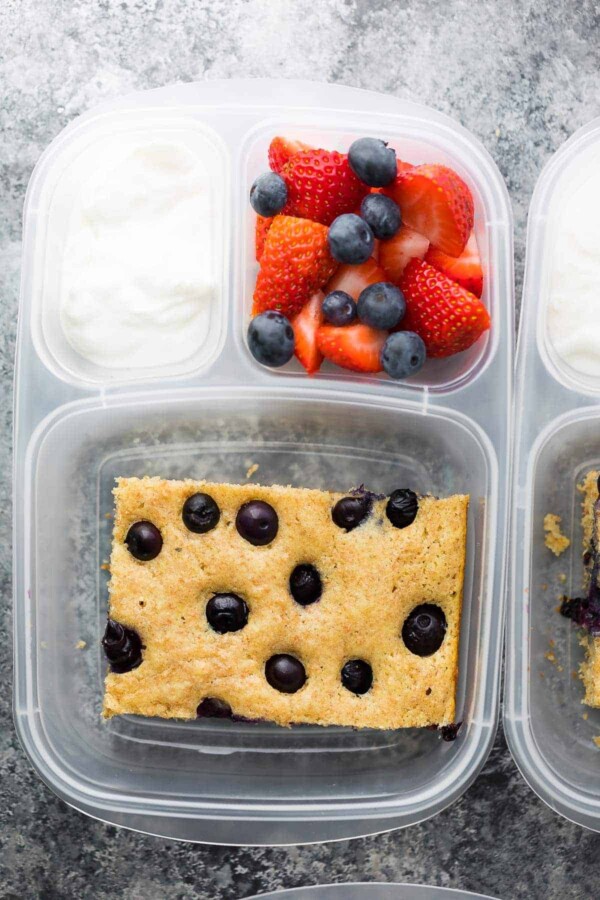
<point>372,577</point>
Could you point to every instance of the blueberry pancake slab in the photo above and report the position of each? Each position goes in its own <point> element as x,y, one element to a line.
<point>283,604</point>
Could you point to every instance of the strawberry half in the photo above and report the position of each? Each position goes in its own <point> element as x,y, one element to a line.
<point>281,149</point>
<point>295,263</point>
<point>464,269</point>
<point>437,203</point>
<point>321,186</point>
<point>306,325</point>
<point>354,279</point>
<point>395,253</point>
<point>260,234</point>
<point>448,318</point>
<point>357,347</point>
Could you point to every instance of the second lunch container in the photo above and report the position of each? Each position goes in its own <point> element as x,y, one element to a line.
<point>557,439</point>
<point>78,427</point>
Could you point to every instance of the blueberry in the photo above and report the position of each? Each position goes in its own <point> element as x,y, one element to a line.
<point>285,673</point>
<point>350,512</point>
<point>402,507</point>
<point>257,522</point>
<point>450,732</point>
<point>403,354</point>
<point>381,305</point>
<point>213,708</point>
<point>372,161</point>
<point>357,676</point>
<point>200,513</point>
<point>339,308</point>
<point>226,612</point>
<point>424,629</point>
<point>271,339</point>
<point>122,647</point>
<point>382,215</point>
<point>350,239</point>
<point>268,194</point>
<point>144,540</point>
<point>305,584</point>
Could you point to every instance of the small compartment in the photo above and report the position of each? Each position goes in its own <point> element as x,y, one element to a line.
<point>562,727</point>
<point>550,731</point>
<point>191,770</point>
<point>561,186</point>
<point>414,144</point>
<point>68,196</point>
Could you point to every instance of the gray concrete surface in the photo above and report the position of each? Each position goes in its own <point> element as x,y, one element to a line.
<point>522,76</point>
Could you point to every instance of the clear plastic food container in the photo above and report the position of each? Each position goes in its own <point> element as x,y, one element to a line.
<point>372,891</point>
<point>76,429</point>
<point>557,440</point>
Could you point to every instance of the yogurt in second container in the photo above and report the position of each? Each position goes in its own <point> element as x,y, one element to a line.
<point>573,312</point>
<point>137,281</point>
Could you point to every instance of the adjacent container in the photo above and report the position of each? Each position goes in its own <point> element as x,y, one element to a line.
<point>557,440</point>
<point>75,430</point>
<point>366,890</point>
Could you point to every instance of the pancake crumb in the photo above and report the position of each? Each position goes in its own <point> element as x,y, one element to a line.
<point>554,539</point>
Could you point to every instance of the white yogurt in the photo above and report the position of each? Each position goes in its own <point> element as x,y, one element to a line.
<point>573,314</point>
<point>137,281</point>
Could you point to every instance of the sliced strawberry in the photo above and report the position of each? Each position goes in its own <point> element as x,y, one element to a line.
<point>436,202</point>
<point>281,149</point>
<point>395,253</point>
<point>306,325</point>
<point>295,263</point>
<point>357,347</point>
<point>354,279</point>
<point>448,318</point>
<point>260,234</point>
<point>464,269</point>
<point>401,168</point>
<point>321,186</point>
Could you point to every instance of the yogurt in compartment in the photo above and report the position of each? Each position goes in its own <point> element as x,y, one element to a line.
<point>137,281</point>
<point>573,313</point>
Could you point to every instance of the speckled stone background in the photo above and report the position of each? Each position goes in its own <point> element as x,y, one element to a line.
<point>522,76</point>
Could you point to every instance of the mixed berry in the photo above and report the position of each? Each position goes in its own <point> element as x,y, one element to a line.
<point>365,260</point>
<point>257,522</point>
<point>122,647</point>
<point>144,541</point>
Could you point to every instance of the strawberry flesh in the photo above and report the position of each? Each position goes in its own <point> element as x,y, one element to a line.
<point>356,347</point>
<point>395,253</point>
<point>306,325</point>
<point>354,279</point>
<point>465,269</point>
<point>437,203</point>
<point>448,318</point>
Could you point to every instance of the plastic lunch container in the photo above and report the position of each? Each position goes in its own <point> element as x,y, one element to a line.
<point>76,428</point>
<point>557,422</point>
<point>372,891</point>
